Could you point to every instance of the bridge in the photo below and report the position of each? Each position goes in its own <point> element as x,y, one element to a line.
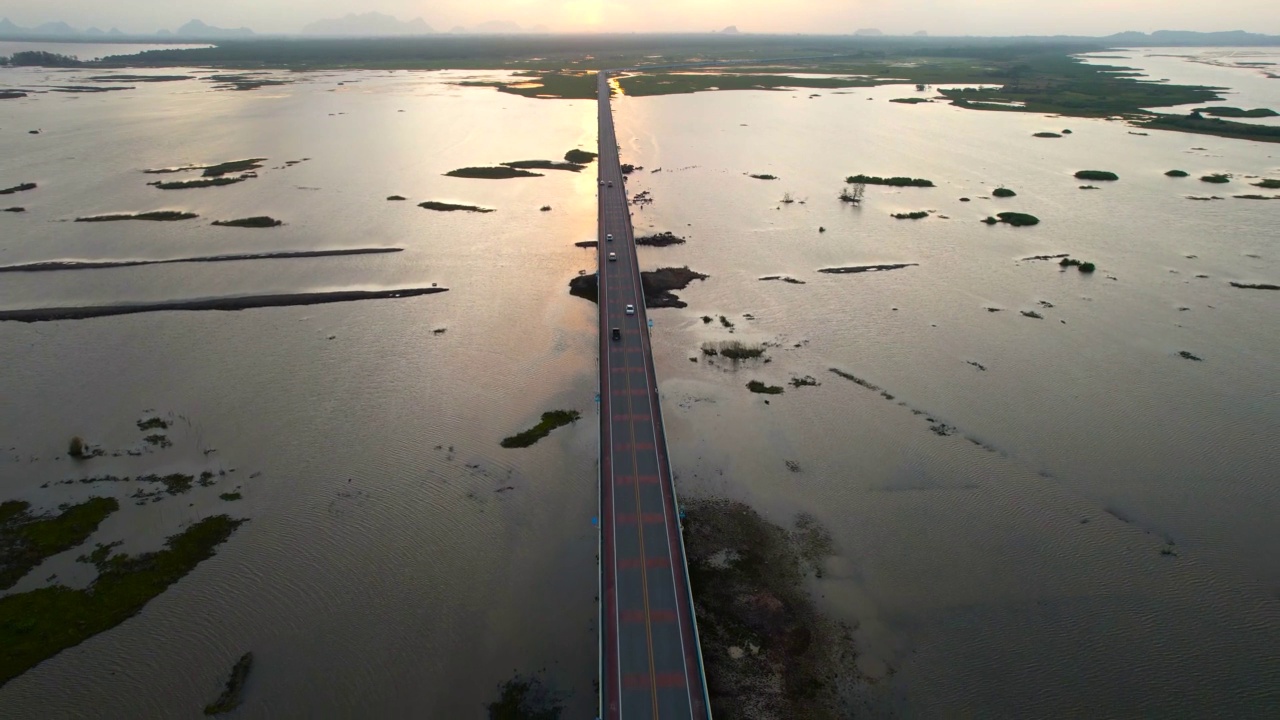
<point>650,660</point>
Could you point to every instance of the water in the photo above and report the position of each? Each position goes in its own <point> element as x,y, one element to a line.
<point>382,575</point>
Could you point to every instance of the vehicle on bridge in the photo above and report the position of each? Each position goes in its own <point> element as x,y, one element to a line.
<point>617,334</point>
<point>613,257</point>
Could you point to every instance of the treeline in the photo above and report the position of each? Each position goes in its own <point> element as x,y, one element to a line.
<point>40,58</point>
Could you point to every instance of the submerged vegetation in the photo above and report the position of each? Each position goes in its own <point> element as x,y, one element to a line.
<point>233,692</point>
<point>865,268</point>
<point>27,540</point>
<point>891,181</point>
<point>733,349</point>
<point>756,386</point>
<point>450,207</point>
<point>18,188</point>
<point>550,421</point>
<point>39,624</point>
<point>1047,135</point>
<point>661,239</point>
<point>201,183</point>
<point>918,215</point>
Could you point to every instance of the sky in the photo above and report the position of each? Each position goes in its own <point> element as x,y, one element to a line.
<point>938,17</point>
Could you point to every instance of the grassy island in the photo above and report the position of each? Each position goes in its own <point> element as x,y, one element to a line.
<point>202,183</point>
<point>544,165</point>
<point>259,221</point>
<point>156,216</point>
<point>1177,173</point>
<point>661,239</point>
<point>550,421</point>
<point>18,188</point>
<point>1235,112</point>
<point>1084,267</point>
<point>1267,184</point>
<point>1096,175</point>
<point>500,172</point>
<point>36,625</point>
<point>910,101</point>
<point>763,176</point>
<point>732,349</point>
<point>1047,135</point>
<point>891,181</point>
<point>1216,178</point>
<point>579,157</point>
<point>854,269</point>
<point>756,386</point>
<point>450,207</point>
<point>918,215</point>
<point>1197,123</point>
<point>1014,219</point>
<point>1003,192</point>
<point>232,694</point>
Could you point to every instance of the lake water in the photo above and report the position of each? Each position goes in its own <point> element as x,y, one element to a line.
<point>1110,552</point>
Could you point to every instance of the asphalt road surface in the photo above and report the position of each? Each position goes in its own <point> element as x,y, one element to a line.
<point>650,663</point>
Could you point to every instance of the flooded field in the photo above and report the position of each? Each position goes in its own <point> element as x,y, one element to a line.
<point>1049,492</point>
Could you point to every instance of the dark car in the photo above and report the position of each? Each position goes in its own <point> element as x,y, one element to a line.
<point>617,334</point>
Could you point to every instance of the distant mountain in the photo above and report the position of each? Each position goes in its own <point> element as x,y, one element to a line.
<point>197,29</point>
<point>868,32</point>
<point>94,32</point>
<point>53,28</point>
<point>8,28</point>
<point>731,30</point>
<point>921,33</point>
<point>1190,37</point>
<point>370,24</point>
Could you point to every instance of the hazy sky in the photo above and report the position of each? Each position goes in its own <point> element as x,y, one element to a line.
<point>939,17</point>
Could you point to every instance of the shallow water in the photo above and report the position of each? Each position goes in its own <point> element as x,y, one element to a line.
<point>387,569</point>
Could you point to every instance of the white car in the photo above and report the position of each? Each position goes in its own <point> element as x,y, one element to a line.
<point>613,257</point>
<point>608,237</point>
<point>631,309</point>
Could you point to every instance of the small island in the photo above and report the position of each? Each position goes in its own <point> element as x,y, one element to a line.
<point>1177,173</point>
<point>756,386</point>
<point>662,239</point>
<point>501,172</point>
<point>451,207</point>
<point>1096,175</point>
<point>1084,267</point>
<point>763,176</point>
<point>155,216</point>
<point>1014,219</point>
<point>853,269</point>
<point>550,421</point>
<point>1268,184</point>
<point>231,694</point>
<point>260,221</point>
<point>201,183</point>
<point>918,215</point>
<point>579,157</point>
<point>18,188</point>
<point>657,285</point>
<point>1003,192</point>
<point>1235,112</point>
<point>1046,135</point>
<point>890,181</point>
<point>544,165</point>
<point>1216,178</point>
<point>910,101</point>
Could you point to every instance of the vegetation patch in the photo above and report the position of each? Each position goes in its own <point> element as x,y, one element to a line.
<point>891,181</point>
<point>659,284</point>
<point>450,207</point>
<point>1177,173</point>
<point>866,268</point>
<point>156,216</point>
<point>1268,184</point>
<point>1047,135</point>
<point>201,183</point>
<point>661,239</point>
<point>1084,267</point>
<point>1197,123</point>
<point>579,157</point>
<point>856,380</point>
<point>910,100</point>
<point>1189,356</point>
<point>550,421</point>
<point>27,540</point>
<point>1257,197</point>
<point>526,698</point>
<point>918,215</point>
<point>733,349</point>
<point>230,496</point>
<point>806,381</point>
<point>1014,219</point>
<point>783,278</point>
<point>500,172</point>
<point>260,221</point>
<point>768,653</point>
<point>394,198</point>
<point>763,176</point>
<point>1216,178</point>
<point>18,188</point>
<point>233,692</point>
<point>153,423</point>
<point>1096,175</point>
<point>1235,112</point>
<point>15,209</point>
<point>756,386</point>
<point>37,625</point>
<point>1003,192</point>
<point>11,94</point>
<point>234,166</point>
<point>1255,286</point>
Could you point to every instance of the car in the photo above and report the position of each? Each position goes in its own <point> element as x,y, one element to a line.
<point>613,257</point>
<point>617,334</point>
<point>608,237</point>
<point>610,183</point>
<point>601,183</point>
<point>631,309</point>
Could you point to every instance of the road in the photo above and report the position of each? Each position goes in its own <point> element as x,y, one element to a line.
<point>650,663</point>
